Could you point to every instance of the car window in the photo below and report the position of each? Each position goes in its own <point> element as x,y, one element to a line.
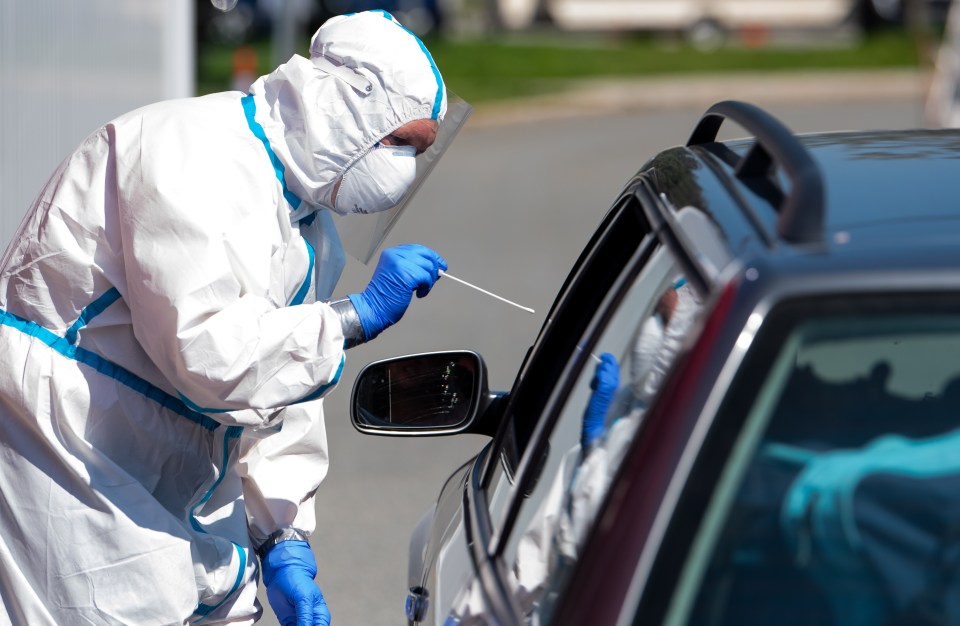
<point>647,313</point>
<point>623,237</point>
<point>631,349</point>
<point>561,453</point>
<point>837,503</point>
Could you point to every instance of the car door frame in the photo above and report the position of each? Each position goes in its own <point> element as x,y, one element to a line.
<point>639,205</point>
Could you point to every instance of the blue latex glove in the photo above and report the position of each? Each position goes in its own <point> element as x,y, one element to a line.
<point>288,572</point>
<point>820,525</point>
<point>817,513</point>
<point>605,381</point>
<point>400,271</point>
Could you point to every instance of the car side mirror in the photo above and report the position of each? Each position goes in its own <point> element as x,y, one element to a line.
<point>440,393</point>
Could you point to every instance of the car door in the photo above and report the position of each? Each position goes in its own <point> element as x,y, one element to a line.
<point>531,500</point>
<point>446,573</point>
<point>816,486</point>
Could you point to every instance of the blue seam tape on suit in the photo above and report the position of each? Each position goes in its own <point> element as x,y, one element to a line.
<point>105,367</point>
<point>250,112</point>
<point>313,395</point>
<point>233,432</point>
<point>206,609</point>
<point>323,389</point>
<point>305,287</point>
<point>438,99</point>
<point>92,310</point>
<point>67,349</point>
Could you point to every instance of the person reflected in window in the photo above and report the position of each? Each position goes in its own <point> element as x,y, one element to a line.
<point>610,420</point>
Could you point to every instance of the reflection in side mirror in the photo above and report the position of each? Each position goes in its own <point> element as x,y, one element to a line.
<point>425,394</point>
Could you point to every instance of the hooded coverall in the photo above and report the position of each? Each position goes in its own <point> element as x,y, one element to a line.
<point>165,343</point>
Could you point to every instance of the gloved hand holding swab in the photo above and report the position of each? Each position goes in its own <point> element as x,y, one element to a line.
<point>463,282</point>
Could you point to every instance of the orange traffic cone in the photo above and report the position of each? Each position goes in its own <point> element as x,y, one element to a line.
<point>244,68</point>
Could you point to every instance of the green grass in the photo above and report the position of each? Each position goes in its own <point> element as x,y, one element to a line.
<point>515,66</point>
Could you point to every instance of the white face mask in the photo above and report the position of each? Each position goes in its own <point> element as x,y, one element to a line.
<point>378,181</point>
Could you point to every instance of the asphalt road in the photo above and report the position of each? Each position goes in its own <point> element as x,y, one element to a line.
<point>510,207</point>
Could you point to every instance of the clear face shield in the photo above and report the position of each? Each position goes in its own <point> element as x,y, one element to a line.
<point>362,233</point>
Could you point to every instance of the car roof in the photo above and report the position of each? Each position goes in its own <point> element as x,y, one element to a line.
<point>879,199</point>
<point>887,177</point>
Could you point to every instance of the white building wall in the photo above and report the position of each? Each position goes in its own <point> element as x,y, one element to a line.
<point>68,66</point>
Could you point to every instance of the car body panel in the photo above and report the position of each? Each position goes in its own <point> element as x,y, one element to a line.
<point>889,243</point>
<point>439,547</point>
<point>683,14</point>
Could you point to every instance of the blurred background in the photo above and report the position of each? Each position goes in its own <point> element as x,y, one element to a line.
<point>68,67</point>
<point>571,97</point>
<point>494,49</point>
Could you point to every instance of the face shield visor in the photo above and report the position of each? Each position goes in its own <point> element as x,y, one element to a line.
<point>362,229</point>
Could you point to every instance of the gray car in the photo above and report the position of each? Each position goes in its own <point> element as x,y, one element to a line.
<point>743,408</point>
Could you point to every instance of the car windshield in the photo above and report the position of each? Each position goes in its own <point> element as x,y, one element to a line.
<point>837,505</point>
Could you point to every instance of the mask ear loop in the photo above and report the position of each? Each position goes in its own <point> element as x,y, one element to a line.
<point>360,83</point>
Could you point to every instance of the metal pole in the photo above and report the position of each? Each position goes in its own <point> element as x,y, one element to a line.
<point>285,28</point>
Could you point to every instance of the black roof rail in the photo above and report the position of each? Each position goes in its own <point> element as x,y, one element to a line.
<point>801,210</point>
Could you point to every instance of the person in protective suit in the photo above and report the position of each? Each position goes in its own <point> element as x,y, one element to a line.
<point>168,336</point>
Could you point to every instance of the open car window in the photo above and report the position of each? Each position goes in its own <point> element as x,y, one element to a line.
<point>623,237</point>
<point>627,352</point>
<point>543,491</point>
<point>597,424</point>
<point>836,504</point>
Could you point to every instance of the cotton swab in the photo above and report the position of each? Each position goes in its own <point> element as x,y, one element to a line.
<point>493,295</point>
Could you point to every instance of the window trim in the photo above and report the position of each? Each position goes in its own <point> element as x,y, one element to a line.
<point>540,363</point>
<point>636,206</point>
<point>643,494</point>
<point>527,474</point>
<point>620,211</point>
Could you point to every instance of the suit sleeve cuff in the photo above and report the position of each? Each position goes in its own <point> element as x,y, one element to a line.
<point>284,534</point>
<point>353,334</point>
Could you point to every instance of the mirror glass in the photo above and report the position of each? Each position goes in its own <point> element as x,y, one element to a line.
<point>418,392</point>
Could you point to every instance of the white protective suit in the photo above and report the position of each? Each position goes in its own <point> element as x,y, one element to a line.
<point>164,342</point>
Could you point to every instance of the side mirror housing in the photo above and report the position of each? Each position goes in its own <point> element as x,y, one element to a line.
<point>438,393</point>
